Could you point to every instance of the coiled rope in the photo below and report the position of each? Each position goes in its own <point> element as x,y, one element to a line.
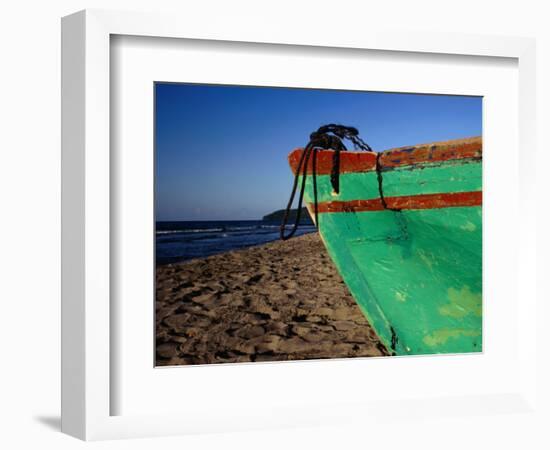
<point>326,137</point>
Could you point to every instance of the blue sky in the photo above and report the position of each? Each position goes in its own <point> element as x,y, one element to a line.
<point>221,151</point>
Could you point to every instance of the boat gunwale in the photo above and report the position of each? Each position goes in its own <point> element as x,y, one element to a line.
<point>409,156</point>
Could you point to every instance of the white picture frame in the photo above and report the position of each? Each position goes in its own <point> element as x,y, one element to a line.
<point>87,328</point>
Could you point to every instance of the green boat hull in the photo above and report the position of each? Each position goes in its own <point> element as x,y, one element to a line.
<point>406,236</point>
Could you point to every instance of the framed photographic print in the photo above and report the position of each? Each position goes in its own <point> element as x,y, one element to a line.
<point>267,229</point>
<point>400,270</point>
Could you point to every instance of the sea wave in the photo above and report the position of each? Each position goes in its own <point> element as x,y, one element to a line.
<point>195,230</point>
<point>255,227</point>
<point>287,226</point>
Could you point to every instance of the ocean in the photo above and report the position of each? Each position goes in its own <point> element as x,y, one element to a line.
<point>181,241</point>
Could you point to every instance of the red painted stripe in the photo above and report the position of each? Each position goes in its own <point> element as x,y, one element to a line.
<point>430,153</point>
<point>405,156</point>
<point>349,161</point>
<point>423,201</point>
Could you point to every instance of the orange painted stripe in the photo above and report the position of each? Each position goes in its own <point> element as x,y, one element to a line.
<point>430,153</point>
<point>423,201</point>
<point>470,148</point>
<point>349,161</point>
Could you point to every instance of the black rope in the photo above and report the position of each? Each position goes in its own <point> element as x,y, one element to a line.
<point>326,137</point>
<point>380,179</point>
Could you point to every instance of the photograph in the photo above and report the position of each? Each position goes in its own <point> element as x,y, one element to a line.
<point>307,224</point>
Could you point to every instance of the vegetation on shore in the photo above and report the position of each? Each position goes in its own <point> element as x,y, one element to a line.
<point>279,214</point>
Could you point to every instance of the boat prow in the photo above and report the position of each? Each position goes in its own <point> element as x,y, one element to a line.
<point>405,232</point>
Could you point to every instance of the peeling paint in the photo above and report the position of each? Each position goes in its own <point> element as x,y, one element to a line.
<point>468,226</point>
<point>440,337</point>
<point>461,303</point>
<point>428,260</point>
<point>401,296</point>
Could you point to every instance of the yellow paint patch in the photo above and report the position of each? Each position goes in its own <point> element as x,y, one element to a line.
<point>439,337</point>
<point>461,303</point>
<point>468,226</point>
<point>427,259</point>
<point>400,296</point>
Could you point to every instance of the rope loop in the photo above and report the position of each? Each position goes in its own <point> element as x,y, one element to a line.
<point>327,137</point>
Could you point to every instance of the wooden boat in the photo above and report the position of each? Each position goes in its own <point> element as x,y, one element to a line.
<point>405,232</point>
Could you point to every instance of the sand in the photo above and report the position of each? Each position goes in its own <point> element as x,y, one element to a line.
<point>275,302</point>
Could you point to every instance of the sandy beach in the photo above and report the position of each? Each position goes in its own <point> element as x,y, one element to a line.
<point>274,302</point>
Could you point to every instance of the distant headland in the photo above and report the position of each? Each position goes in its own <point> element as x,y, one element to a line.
<point>279,214</point>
